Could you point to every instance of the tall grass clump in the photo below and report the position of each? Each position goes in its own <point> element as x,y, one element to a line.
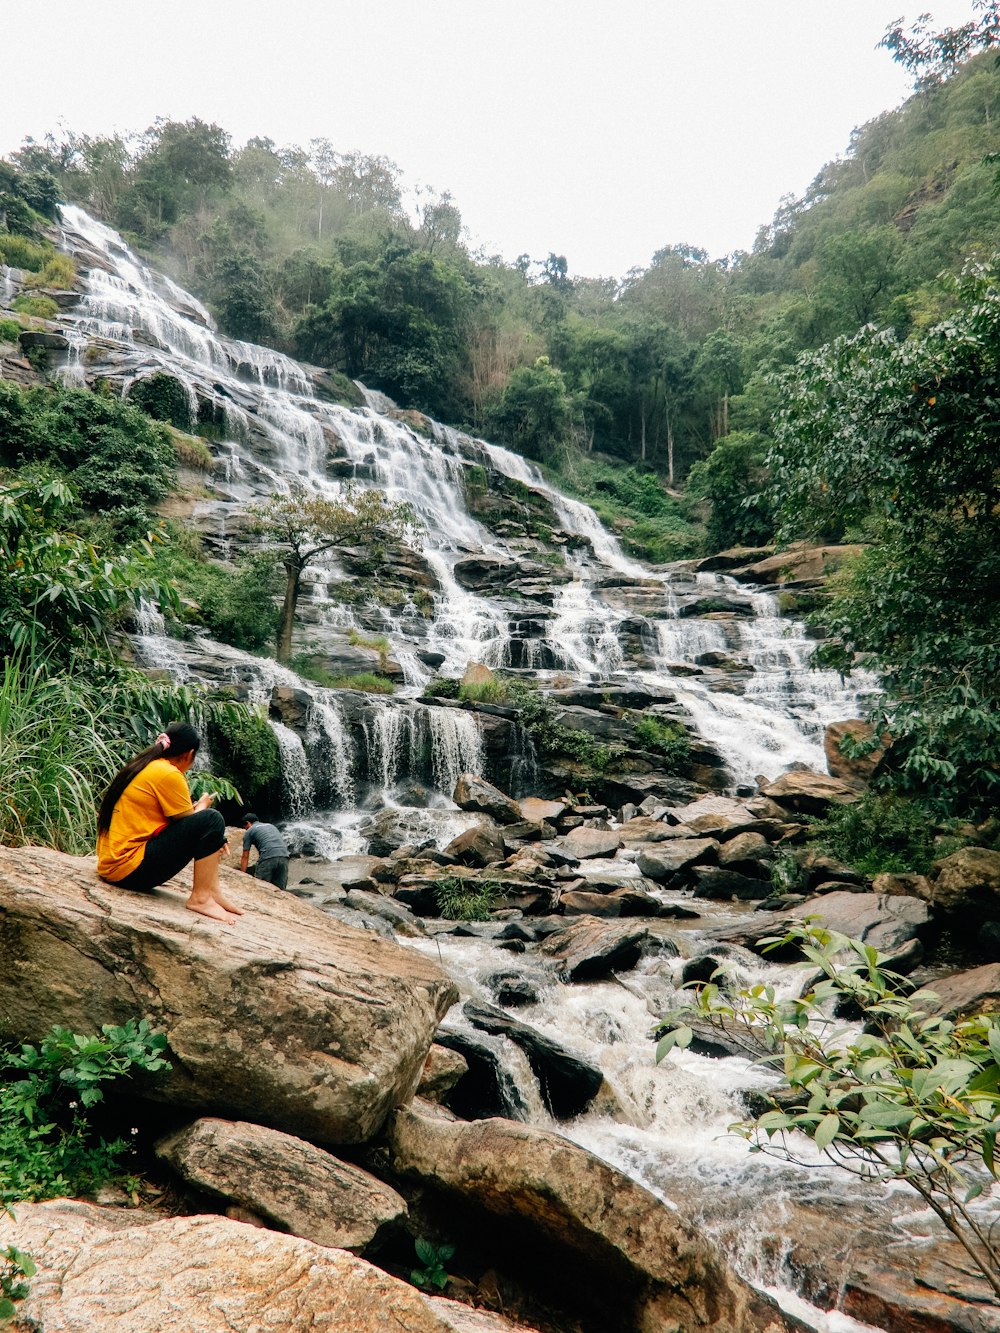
<point>55,759</point>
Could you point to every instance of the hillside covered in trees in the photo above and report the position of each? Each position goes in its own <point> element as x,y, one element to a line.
<point>312,250</point>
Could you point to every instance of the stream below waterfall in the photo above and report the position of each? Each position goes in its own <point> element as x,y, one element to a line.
<point>606,617</point>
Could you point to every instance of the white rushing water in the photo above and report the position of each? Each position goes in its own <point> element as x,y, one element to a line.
<point>671,1128</point>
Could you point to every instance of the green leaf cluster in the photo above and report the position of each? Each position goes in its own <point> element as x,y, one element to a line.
<point>461,899</point>
<point>908,1096</point>
<point>47,1146</point>
<point>15,1268</point>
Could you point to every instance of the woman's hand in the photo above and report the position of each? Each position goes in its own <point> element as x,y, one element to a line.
<point>203,802</point>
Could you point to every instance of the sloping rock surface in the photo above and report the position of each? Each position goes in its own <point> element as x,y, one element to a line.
<point>122,1272</point>
<point>640,1266</point>
<point>288,1017</point>
<point>302,1189</point>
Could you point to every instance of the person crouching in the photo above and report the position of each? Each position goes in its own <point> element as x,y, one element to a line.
<point>148,829</point>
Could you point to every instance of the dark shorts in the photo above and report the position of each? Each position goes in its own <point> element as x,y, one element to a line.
<point>167,853</point>
<point>274,870</point>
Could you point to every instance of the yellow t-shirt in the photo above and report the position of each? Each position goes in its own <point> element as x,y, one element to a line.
<point>156,795</point>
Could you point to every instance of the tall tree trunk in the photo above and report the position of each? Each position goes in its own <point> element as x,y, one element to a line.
<point>670,450</point>
<point>642,446</point>
<point>294,571</point>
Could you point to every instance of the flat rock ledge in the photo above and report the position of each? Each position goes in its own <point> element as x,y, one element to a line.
<point>288,1018</point>
<point>125,1272</point>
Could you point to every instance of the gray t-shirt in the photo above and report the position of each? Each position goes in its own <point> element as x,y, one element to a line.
<point>267,840</point>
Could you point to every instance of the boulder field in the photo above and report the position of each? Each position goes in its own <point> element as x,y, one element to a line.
<point>316,1122</point>
<point>291,1034</point>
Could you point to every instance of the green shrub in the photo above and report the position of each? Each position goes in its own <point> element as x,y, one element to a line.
<point>191,452</point>
<point>47,1147</point>
<point>9,330</point>
<point>245,751</point>
<point>493,691</point>
<point>59,272</point>
<point>22,252</point>
<point>669,739</point>
<point>881,833</point>
<point>38,307</point>
<point>368,681</point>
<point>549,737</point>
<point>446,687</point>
<point>234,606</point>
<point>464,899</point>
<point>164,398</point>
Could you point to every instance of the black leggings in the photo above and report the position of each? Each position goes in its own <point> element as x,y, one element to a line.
<point>189,838</point>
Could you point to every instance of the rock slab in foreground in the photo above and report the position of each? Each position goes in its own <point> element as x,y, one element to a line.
<point>289,1017</point>
<point>638,1264</point>
<point>299,1187</point>
<point>123,1272</point>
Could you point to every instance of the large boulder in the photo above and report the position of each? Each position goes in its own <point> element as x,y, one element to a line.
<point>858,770</point>
<point>589,948</point>
<point>963,994</point>
<point>479,846</point>
<point>809,793</point>
<point>638,1264</point>
<point>568,1082</point>
<point>967,881</point>
<point>288,1017</point>
<point>475,793</point>
<point>801,565</point>
<point>663,860</point>
<point>128,1272</point>
<point>584,843</point>
<point>292,1184</point>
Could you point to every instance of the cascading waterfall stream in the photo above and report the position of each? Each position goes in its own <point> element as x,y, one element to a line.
<point>671,1132</point>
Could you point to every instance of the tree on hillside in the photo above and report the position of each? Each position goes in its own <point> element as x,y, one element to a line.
<point>934,57</point>
<point>898,440</point>
<point>302,529</point>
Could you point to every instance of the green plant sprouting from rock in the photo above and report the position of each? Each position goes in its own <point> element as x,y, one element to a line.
<point>16,1268</point>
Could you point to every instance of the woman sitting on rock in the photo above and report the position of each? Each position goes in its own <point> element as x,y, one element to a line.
<point>148,829</point>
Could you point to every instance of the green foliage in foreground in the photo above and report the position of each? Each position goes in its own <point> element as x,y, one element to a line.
<point>909,1097</point>
<point>15,1267</point>
<point>461,899</point>
<point>47,1147</point>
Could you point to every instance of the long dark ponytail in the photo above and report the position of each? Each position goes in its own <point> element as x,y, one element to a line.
<point>178,738</point>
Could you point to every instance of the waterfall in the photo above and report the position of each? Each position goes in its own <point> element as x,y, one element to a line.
<point>295,773</point>
<point>456,746</point>
<point>330,748</point>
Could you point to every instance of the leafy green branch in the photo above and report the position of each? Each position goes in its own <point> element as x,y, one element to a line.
<point>908,1096</point>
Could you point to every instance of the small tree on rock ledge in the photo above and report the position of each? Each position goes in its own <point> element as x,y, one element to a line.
<point>303,528</point>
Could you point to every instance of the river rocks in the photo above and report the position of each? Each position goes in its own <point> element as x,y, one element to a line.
<point>534,810</point>
<point>568,1083</point>
<point>588,948</point>
<point>714,816</point>
<point>893,925</point>
<point>474,793</point>
<point>748,853</point>
<point>126,1272</point>
<point>442,1070</point>
<point>720,883</point>
<point>624,901</point>
<point>663,860</point>
<point>298,1187</point>
<point>480,846</point>
<point>288,1016</point>
<point>809,793</point>
<point>641,1266</point>
<point>588,843</point>
<point>968,880</point>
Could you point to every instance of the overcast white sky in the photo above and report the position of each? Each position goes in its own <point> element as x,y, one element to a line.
<point>599,129</point>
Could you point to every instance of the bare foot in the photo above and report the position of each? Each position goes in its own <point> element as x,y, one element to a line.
<point>227,905</point>
<point>213,909</point>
